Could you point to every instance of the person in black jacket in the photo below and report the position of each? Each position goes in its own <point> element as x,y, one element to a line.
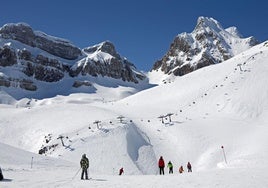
<point>84,165</point>
<point>121,171</point>
<point>189,167</point>
<point>1,175</point>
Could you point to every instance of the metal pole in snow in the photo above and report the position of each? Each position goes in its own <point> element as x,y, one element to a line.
<point>32,163</point>
<point>224,154</point>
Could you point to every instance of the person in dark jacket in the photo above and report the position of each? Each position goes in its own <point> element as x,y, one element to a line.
<point>121,171</point>
<point>1,175</point>
<point>189,167</point>
<point>84,165</point>
<point>161,165</point>
<point>170,167</point>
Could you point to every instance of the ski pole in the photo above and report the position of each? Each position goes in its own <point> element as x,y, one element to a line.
<point>76,173</point>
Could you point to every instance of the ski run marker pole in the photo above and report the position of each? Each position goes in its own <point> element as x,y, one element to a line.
<point>32,163</point>
<point>224,154</point>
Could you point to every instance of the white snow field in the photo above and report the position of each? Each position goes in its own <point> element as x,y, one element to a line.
<point>221,105</point>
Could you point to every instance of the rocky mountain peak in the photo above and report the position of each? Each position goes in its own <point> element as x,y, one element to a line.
<point>207,24</point>
<point>106,47</point>
<point>209,43</point>
<point>102,59</point>
<point>20,31</point>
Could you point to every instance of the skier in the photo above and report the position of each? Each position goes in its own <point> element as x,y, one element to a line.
<point>170,166</point>
<point>181,169</point>
<point>1,175</point>
<point>161,165</point>
<point>84,165</point>
<point>189,167</point>
<point>121,171</point>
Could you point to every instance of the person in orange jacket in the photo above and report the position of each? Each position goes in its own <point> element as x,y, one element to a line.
<point>181,170</point>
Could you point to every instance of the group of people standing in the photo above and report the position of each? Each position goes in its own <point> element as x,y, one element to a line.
<point>84,163</point>
<point>161,165</point>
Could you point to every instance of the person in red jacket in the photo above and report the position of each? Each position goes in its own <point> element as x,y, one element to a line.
<point>161,165</point>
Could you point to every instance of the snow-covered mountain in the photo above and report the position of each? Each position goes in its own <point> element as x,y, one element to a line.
<point>209,43</point>
<point>32,60</point>
<point>102,59</point>
<point>36,65</point>
<point>189,119</point>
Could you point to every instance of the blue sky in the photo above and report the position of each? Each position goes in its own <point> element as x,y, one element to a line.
<point>141,30</point>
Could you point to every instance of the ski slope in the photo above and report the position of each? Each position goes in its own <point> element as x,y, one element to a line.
<point>221,105</point>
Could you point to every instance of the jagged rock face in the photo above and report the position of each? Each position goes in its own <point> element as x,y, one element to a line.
<point>36,56</point>
<point>7,56</point>
<point>24,33</point>
<point>4,82</point>
<point>45,69</point>
<point>109,63</point>
<point>40,68</point>
<point>78,83</point>
<point>115,69</point>
<point>22,83</point>
<point>106,47</point>
<point>208,44</point>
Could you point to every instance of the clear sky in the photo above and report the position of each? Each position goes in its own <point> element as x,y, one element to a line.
<point>141,30</point>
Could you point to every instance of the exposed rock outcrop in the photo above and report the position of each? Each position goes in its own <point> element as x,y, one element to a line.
<point>56,46</point>
<point>21,83</point>
<point>103,60</point>
<point>7,56</point>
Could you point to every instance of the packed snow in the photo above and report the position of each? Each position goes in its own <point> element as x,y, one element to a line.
<point>216,118</point>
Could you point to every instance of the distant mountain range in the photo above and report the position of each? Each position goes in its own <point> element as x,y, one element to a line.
<point>30,60</point>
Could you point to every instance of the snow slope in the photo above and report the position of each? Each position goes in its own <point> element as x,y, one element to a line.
<point>221,105</point>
